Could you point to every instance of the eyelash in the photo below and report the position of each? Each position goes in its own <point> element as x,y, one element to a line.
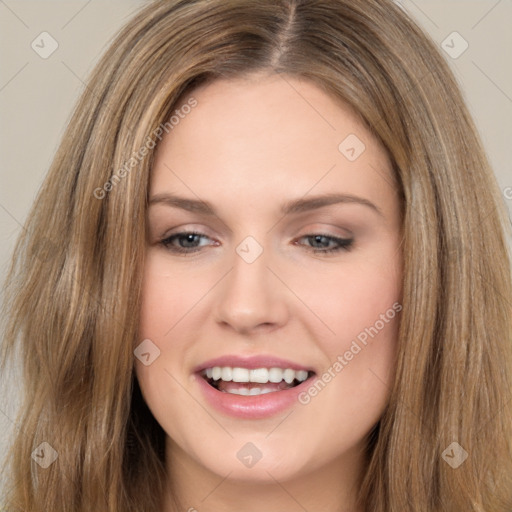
<point>344,244</point>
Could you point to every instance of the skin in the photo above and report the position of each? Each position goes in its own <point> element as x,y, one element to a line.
<point>247,147</point>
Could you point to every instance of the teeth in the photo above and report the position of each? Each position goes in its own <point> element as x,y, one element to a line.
<point>289,375</point>
<point>252,391</point>
<point>239,374</point>
<point>227,374</point>
<point>302,375</point>
<point>275,375</point>
<point>258,375</point>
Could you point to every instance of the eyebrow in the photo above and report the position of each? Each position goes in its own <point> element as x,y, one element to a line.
<point>294,206</point>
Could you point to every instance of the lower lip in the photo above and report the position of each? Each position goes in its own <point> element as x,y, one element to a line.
<point>251,407</point>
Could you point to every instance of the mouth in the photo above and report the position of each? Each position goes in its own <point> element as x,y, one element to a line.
<point>253,381</point>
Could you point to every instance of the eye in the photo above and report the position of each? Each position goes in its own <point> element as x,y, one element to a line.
<point>187,241</point>
<point>340,244</point>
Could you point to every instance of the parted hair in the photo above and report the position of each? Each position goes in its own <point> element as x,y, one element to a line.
<point>72,294</point>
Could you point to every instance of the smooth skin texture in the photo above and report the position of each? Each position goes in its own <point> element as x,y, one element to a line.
<point>248,147</point>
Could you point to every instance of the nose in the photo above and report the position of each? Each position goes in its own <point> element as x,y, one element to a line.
<point>252,297</point>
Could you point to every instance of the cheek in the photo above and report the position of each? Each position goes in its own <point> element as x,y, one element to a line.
<point>354,301</point>
<point>166,300</point>
<point>166,297</point>
<point>359,307</point>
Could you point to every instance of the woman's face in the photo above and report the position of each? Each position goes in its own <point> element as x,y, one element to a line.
<point>271,173</point>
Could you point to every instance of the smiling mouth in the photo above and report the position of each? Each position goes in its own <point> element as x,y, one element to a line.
<point>252,382</point>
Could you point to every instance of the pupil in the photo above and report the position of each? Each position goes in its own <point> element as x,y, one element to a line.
<point>318,238</point>
<point>189,238</point>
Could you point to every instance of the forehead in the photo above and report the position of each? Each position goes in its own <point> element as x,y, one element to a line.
<point>260,137</point>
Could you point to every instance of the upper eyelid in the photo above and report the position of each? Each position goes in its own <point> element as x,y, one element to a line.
<point>320,213</point>
<point>341,244</point>
<point>202,232</point>
<point>331,236</point>
<point>328,231</point>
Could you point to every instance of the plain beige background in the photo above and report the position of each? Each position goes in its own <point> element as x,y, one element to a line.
<point>37,95</point>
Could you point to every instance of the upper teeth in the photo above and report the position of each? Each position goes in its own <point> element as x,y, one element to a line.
<point>260,375</point>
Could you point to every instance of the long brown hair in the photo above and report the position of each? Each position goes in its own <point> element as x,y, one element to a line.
<point>73,291</point>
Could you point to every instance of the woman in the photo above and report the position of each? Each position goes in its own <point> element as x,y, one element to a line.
<point>339,339</point>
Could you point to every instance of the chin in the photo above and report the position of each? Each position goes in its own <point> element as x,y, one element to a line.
<point>256,461</point>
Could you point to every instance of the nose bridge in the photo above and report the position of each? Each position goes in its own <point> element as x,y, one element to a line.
<point>251,295</point>
<point>250,264</point>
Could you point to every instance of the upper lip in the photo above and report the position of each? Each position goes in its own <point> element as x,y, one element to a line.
<point>252,362</point>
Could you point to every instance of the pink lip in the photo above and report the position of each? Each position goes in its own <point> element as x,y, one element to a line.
<point>255,406</point>
<point>251,362</point>
<point>251,407</point>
